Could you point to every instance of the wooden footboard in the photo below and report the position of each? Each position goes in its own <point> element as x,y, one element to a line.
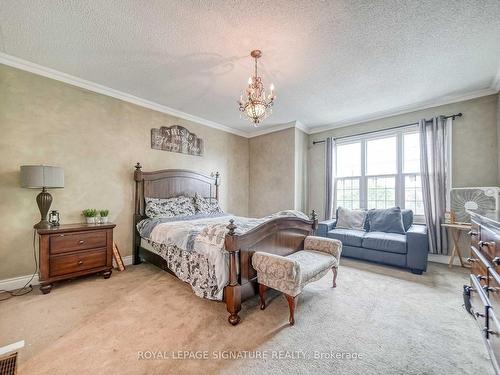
<point>282,236</point>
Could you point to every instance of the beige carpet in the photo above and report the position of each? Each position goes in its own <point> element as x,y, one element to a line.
<point>398,323</point>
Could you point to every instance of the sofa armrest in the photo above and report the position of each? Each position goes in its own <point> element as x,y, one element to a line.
<point>324,227</point>
<point>275,265</point>
<point>325,245</point>
<point>417,242</point>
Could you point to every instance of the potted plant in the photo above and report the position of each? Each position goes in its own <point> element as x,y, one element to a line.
<point>104,216</point>
<point>90,215</point>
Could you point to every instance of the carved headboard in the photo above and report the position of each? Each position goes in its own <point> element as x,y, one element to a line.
<point>170,183</point>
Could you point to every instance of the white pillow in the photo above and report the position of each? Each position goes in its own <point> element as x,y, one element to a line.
<point>350,219</point>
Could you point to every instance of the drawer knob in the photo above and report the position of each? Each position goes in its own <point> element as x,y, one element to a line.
<point>472,233</point>
<point>485,243</point>
<point>496,260</point>
<point>471,260</point>
<point>81,242</point>
<point>80,262</point>
<point>481,277</point>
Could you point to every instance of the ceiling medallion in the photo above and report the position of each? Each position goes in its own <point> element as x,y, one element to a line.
<point>256,106</point>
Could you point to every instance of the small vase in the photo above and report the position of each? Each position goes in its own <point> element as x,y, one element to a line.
<point>90,220</point>
<point>104,219</point>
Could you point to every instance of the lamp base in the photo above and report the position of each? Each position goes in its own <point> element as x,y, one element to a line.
<point>43,200</point>
<point>42,224</point>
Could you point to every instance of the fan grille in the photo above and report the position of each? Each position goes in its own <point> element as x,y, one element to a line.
<point>474,198</point>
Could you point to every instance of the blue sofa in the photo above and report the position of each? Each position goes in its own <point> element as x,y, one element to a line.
<point>402,250</point>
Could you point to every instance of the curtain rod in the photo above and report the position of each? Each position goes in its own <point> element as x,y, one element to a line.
<point>394,127</point>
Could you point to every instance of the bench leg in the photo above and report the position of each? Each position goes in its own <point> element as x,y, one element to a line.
<point>334,270</point>
<point>291,304</point>
<point>262,291</point>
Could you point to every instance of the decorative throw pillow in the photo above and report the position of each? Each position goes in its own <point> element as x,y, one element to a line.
<point>350,219</point>
<point>388,220</point>
<point>169,207</point>
<point>206,205</point>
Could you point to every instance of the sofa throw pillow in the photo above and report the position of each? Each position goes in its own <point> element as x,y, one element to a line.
<point>388,220</point>
<point>206,205</point>
<point>350,219</point>
<point>169,207</point>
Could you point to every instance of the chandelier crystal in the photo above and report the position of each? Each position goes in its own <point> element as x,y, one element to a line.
<point>257,106</point>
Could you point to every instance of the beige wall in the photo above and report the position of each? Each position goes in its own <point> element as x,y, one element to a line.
<point>301,151</point>
<point>498,137</point>
<point>272,173</point>
<point>278,172</point>
<point>474,145</point>
<point>97,140</point>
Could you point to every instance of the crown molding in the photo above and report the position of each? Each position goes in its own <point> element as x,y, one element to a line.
<point>95,87</point>
<point>302,127</point>
<point>404,109</point>
<point>31,67</point>
<point>271,129</point>
<point>276,128</point>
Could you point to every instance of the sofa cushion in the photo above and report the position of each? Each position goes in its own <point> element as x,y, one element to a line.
<point>349,237</point>
<point>387,220</point>
<point>407,219</point>
<point>389,242</point>
<point>350,219</point>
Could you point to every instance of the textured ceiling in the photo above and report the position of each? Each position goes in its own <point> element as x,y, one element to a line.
<point>331,61</point>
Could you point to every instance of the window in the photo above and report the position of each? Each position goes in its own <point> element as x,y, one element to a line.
<point>349,168</point>
<point>381,170</point>
<point>348,192</point>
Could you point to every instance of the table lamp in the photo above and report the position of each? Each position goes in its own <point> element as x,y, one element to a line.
<point>42,177</point>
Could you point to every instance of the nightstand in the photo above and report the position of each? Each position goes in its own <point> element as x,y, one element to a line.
<point>74,250</point>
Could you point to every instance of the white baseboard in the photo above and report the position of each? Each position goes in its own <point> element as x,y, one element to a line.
<point>443,259</point>
<point>18,282</point>
<point>127,261</point>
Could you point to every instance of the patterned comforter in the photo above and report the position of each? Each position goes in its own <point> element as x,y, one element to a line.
<point>194,247</point>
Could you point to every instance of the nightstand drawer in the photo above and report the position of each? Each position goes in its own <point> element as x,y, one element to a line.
<point>80,261</point>
<point>63,243</point>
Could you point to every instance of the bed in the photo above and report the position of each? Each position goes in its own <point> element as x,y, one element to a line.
<point>280,234</point>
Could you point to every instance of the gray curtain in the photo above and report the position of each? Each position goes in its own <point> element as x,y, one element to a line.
<point>433,167</point>
<point>329,177</point>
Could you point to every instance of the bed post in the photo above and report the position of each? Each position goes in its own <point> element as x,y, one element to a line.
<point>314,218</point>
<point>232,292</point>
<point>217,182</point>
<point>137,214</point>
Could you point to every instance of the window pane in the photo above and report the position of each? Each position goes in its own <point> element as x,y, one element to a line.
<point>411,153</point>
<point>349,160</point>
<point>413,194</point>
<point>347,193</point>
<point>381,156</point>
<point>381,192</point>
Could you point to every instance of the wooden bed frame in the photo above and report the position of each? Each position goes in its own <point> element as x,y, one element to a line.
<point>283,235</point>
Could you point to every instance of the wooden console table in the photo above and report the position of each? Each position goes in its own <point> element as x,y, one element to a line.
<point>456,230</point>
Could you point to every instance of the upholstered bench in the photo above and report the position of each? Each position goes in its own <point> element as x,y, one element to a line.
<point>289,274</point>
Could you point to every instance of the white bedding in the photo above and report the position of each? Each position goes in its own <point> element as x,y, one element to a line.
<point>202,239</point>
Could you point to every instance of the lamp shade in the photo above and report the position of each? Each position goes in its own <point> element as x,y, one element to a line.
<point>41,176</point>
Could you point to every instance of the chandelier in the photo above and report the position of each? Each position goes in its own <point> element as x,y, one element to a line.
<point>256,106</point>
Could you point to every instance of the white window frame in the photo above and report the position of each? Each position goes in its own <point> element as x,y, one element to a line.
<point>363,178</point>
